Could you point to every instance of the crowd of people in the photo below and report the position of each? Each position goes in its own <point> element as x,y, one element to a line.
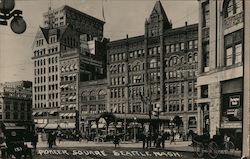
<point>158,139</point>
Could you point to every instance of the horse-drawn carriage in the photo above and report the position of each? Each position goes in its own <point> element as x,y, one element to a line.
<point>218,144</point>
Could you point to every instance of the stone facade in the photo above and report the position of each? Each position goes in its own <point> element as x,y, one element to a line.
<point>223,51</point>
<point>155,72</point>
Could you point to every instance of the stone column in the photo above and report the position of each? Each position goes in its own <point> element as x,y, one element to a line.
<point>246,110</point>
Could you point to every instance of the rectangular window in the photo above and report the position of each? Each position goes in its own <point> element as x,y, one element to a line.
<point>190,44</point>
<point>182,46</point>
<point>229,56</point>
<point>196,44</point>
<point>238,53</point>
<point>177,47</point>
<point>172,48</point>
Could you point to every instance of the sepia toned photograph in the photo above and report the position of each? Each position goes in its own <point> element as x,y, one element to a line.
<point>121,79</point>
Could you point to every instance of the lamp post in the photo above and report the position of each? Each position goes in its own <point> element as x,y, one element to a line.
<point>171,124</point>
<point>17,24</point>
<point>157,113</point>
<point>134,130</point>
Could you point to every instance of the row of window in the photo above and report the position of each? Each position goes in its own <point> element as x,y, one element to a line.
<point>176,60</point>
<point>93,95</point>
<point>42,62</point>
<point>67,87</point>
<point>120,68</point>
<point>39,52</point>
<point>93,109</point>
<point>117,92</point>
<point>117,108</point>
<point>42,79</point>
<point>16,115</point>
<point>181,73</point>
<point>137,79</point>
<point>17,106</point>
<point>193,44</point>
<point>176,106</point>
<point>117,81</point>
<point>176,88</point>
<point>42,71</point>
<point>43,105</point>
<point>67,68</point>
<point>71,77</point>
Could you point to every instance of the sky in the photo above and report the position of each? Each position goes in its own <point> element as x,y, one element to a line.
<point>122,17</point>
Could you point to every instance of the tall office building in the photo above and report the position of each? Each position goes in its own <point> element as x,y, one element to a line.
<point>65,52</point>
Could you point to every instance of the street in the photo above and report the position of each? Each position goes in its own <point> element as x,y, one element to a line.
<point>90,150</point>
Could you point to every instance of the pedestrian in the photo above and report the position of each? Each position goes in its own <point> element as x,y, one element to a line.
<point>155,136</point>
<point>143,140</point>
<point>116,140</point>
<point>148,138</point>
<point>35,140</point>
<point>164,138</point>
<point>158,140</point>
<point>172,137</point>
<point>50,140</point>
<point>54,138</point>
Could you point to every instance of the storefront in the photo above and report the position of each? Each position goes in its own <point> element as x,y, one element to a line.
<point>231,109</point>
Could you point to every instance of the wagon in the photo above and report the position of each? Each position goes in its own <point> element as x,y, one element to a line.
<point>203,143</point>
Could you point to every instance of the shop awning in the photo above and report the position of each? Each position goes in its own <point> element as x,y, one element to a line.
<point>34,113</point>
<point>66,114</point>
<point>62,114</point>
<point>51,126</point>
<point>65,86</point>
<point>94,126</point>
<point>42,125</point>
<point>74,97</point>
<point>72,114</point>
<point>40,113</point>
<point>52,112</point>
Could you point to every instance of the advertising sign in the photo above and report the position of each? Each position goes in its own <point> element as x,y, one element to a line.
<point>234,101</point>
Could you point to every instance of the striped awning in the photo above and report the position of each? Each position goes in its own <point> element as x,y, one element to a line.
<point>62,114</point>
<point>34,113</point>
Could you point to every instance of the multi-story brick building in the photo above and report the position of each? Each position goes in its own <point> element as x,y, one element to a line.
<point>155,72</point>
<point>93,100</point>
<point>223,82</point>
<point>16,104</point>
<point>61,61</point>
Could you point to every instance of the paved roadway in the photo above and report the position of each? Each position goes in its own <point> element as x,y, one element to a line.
<point>91,150</point>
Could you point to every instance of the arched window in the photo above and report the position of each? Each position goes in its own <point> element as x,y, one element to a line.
<point>92,95</point>
<point>233,7</point>
<point>84,97</point>
<point>101,94</point>
<point>195,57</point>
<point>153,63</point>
<point>190,58</point>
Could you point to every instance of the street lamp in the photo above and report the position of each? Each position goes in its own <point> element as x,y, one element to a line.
<point>134,130</point>
<point>171,124</point>
<point>157,113</point>
<point>17,25</point>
